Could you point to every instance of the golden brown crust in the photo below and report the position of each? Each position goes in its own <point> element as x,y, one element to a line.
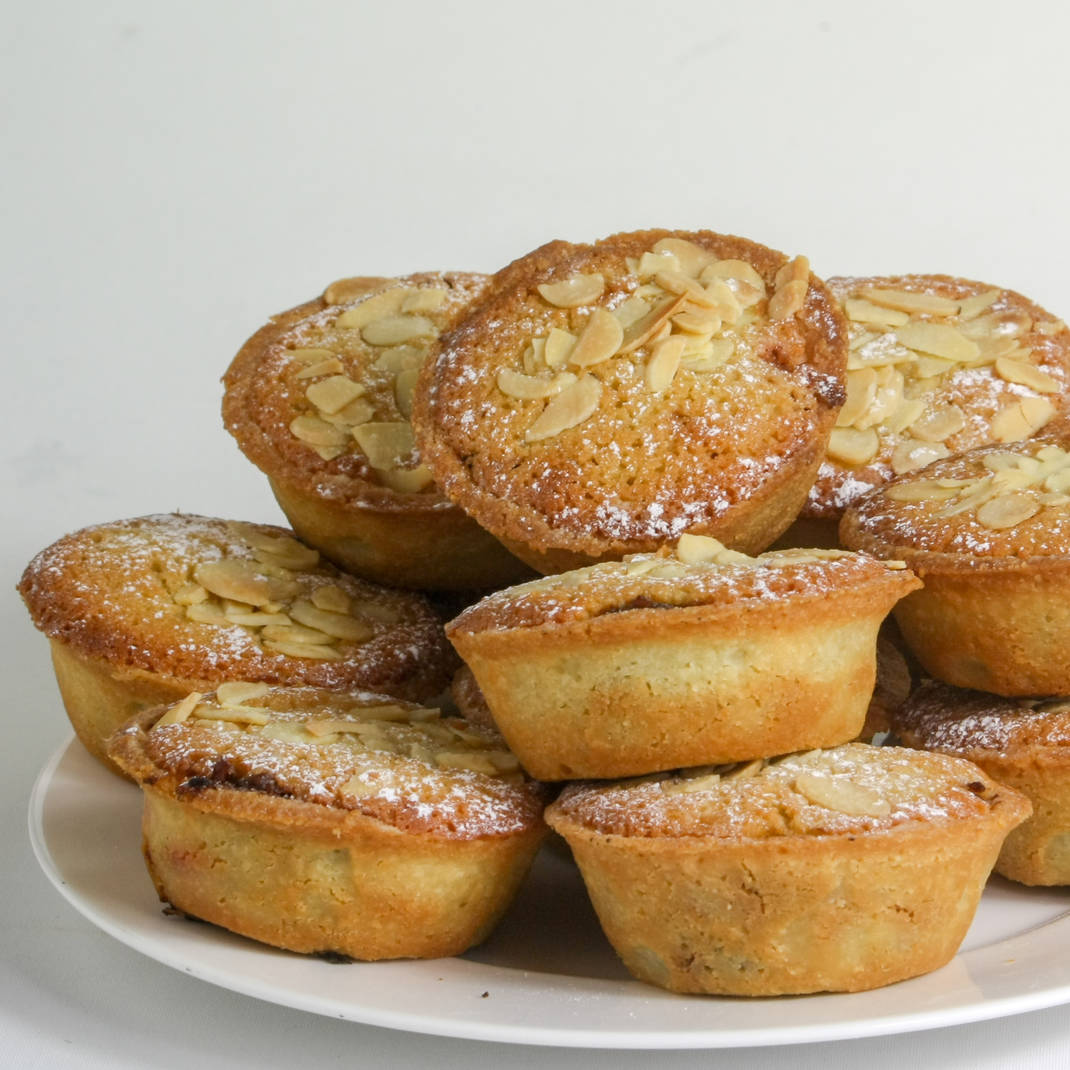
<point>973,390</point>
<point>108,592</point>
<point>721,450</point>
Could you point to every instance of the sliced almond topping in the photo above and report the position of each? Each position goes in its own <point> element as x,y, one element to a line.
<point>676,282</point>
<point>312,651</point>
<point>921,491</point>
<point>941,424</point>
<point>399,358</point>
<point>861,311</point>
<point>975,305</point>
<point>331,599</point>
<point>1009,322</point>
<point>404,386</point>
<point>662,363</point>
<point>938,340</point>
<point>698,549</point>
<point>914,303</point>
<point>911,454</point>
<point>232,715</point>
<point>238,692</point>
<point>1048,328</point>
<point>1006,510</point>
<point>908,411</point>
<point>325,367</point>
<point>600,339</point>
<point>796,270</point>
<point>356,412</point>
<point>1018,371</point>
<point>733,269</point>
<point>651,263</point>
<point>343,291</point>
<point>517,385</point>
<point>428,299</point>
<point>708,357</point>
<point>385,444</point>
<point>851,446</point>
<point>558,346</point>
<point>573,292</point>
<point>702,321</point>
<point>470,760</point>
<point>842,795</point>
<point>688,785</point>
<point>406,480</point>
<point>181,710</point>
<point>206,613</point>
<point>788,299</point>
<point>631,310</point>
<point>241,581</point>
<point>1021,418</point>
<point>316,432</point>
<point>190,594</point>
<point>331,395</point>
<point>281,551</point>
<point>382,304</point>
<point>575,404</point>
<point>337,625</point>
<point>294,633</point>
<point>861,390</point>
<point>252,618</point>
<point>886,400</point>
<point>394,330</point>
<point>311,355</point>
<point>642,330</point>
<point>692,258</point>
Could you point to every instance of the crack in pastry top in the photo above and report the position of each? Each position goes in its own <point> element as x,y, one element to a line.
<point>702,572</point>
<point>197,596</point>
<point>615,411</point>
<point>402,764</point>
<point>852,789</point>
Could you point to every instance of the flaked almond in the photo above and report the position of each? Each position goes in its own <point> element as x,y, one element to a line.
<point>600,339</point>
<point>842,795</point>
<point>938,340</point>
<point>692,258</point>
<point>395,330</point>
<point>698,549</point>
<point>181,710</point>
<point>404,386</point>
<point>970,307</point>
<point>310,354</point>
<point>316,431</point>
<point>232,715</point>
<point>1024,374</point>
<point>294,633</point>
<point>324,367</point>
<point>651,263</point>
<point>557,347</point>
<point>427,299</point>
<point>358,411</point>
<point>385,443</point>
<point>331,599</point>
<point>406,480</point>
<point>861,390</point>
<point>913,303</point>
<point>908,412</point>
<point>920,491</point>
<point>343,291</point>
<point>861,311</point>
<point>387,303</point>
<point>190,594</point>
<point>644,329</point>
<point>517,385</point>
<point>912,453</point>
<point>335,625</point>
<point>575,404</point>
<point>239,692</point>
<point>848,445</point>
<point>739,270</point>
<point>631,310</point>
<point>886,399</point>
<point>254,618</point>
<point>397,359</point>
<point>698,320</point>
<point>788,300</point>
<point>573,292</point>
<point>242,581</point>
<point>942,423</point>
<point>1021,418</point>
<point>332,394</point>
<point>663,362</point>
<point>676,282</point>
<point>795,270</point>
<point>1007,510</point>
<point>206,613</point>
<point>311,651</point>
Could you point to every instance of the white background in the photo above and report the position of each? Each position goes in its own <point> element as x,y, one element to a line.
<point>174,173</point>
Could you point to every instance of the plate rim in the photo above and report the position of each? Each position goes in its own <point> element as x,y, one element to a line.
<point>537,1035</point>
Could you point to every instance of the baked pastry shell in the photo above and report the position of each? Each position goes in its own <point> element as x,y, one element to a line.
<point>414,540</point>
<point>643,690</point>
<point>1037,852</point>
<point>319,879</point>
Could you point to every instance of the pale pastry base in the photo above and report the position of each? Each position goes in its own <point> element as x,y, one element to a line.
<point>367,892</point>
<point>100,698</point>
<point>422,549</point>
<point>684,695</point>
<point>786,916</point>
<point>1001,631</point>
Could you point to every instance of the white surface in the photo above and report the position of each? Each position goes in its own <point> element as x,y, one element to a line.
<point>175,173</point>
<point>546,966</point>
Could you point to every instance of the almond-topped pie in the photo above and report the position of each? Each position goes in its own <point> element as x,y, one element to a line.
<point>937,365</point>
<point>659,661</point>
<point>834,870</point>
<point>143,611</point>
<point>352,825</point>
<point>988,531</point>
<point>320,398</point>
<point>1023,743</point>
<point>606,398</point>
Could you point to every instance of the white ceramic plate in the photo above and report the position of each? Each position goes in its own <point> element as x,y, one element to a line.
<point>547,975</point>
